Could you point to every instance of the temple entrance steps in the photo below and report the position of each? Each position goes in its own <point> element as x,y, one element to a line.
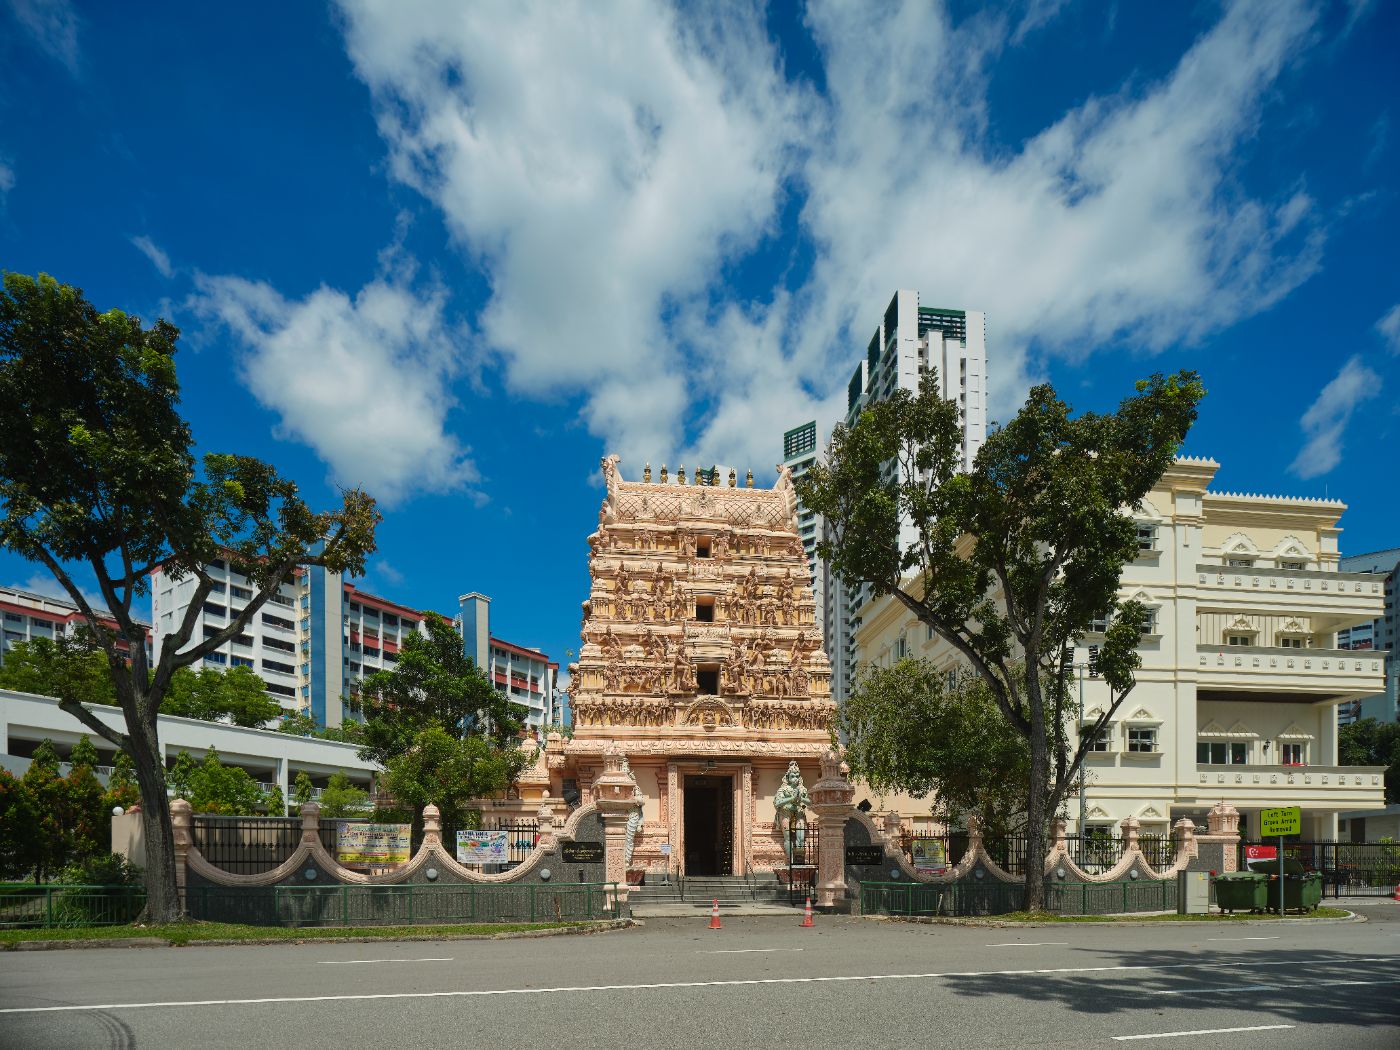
<point>732,891</point>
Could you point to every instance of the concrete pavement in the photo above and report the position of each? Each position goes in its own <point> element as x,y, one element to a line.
<point>761,981</point>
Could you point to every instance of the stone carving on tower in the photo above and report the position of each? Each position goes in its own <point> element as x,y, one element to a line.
<point>700,620</point>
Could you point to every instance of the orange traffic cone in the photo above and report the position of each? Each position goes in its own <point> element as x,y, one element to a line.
<point>807,914</point>
<point>714,916</point>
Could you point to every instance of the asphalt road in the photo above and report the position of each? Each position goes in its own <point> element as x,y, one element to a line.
<point>759,982</point>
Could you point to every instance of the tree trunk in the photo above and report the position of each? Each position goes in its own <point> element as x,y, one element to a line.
<point>162,894</point>
<point>1035,811</point>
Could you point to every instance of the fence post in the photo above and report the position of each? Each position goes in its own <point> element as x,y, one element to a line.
<point>344,904</point>
<point>409,887</point>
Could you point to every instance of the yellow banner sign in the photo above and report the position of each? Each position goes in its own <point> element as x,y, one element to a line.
<point>372,843</point>
<point>1285,821</point>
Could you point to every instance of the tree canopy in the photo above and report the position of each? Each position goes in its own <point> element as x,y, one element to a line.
<point>1369,742</point>
<point>909,728</point>
<point>65,666</point>
<point>237,695</point>
<point>98,474</point>
<point>1009,562</point>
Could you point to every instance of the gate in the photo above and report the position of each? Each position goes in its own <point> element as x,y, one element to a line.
<point>1351,869</point>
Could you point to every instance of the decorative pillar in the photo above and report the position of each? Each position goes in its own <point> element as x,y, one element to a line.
<point>1218,848</point>
<point>432,827</point>
<point>310,824</point>
<point>181,821</point>
<point>1186,847</point>
<point>831,799</point>
<point>1131,833</point>
<point>615,797</point>
<point>544,816</point>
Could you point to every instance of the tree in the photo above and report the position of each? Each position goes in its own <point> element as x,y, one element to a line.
<point>296,723</point>
<point>121,785</point>
<point>49,847</point>
<point>18,822</point>
<point>212,787</point>
<point>87,823</point>
<point>342,798</point>
<point>1011,562</point>
<point>302,788</point>
<point>1368,742</point>
<point>213,695</point>
<point>98,474</point>
<point>450,772</point>
<point>66,666</point>
<point>434,684</point>
<point>908,728</point>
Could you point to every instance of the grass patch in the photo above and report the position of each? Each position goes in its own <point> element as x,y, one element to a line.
<point>194,932</point>
<point>1045,916</point>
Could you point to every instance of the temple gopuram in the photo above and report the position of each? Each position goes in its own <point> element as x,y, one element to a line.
<point>702,663</point>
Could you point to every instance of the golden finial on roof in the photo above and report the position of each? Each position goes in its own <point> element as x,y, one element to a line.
<point>680,475</point>
<point>663,473</point>
<point>646,473</point>
<point>732,478</point>
<point>714,476</point>
<point>748,480</point>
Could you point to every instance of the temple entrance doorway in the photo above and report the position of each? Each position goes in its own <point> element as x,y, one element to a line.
<point>709,826</point>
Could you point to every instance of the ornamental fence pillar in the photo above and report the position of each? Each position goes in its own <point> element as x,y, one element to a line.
<point>830,798</point>
<point>182,838</point>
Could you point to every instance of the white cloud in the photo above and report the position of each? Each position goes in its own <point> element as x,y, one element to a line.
<point>1326,418</point>
<point>603,161</point>
<point>1389,328</point>
<point>7,178</point>
<point>363,381</point>
<point>54,26</point>
<point>44,584</point>
<point>387,572</point>
<point>152,251</point>
<point>608,165</point>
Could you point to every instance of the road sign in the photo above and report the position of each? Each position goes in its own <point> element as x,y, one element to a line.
<point>1285,821</point>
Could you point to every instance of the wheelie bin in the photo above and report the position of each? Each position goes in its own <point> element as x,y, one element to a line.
<point>1241,891</point>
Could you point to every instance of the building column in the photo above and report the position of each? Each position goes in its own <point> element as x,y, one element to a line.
<point>831,799</point>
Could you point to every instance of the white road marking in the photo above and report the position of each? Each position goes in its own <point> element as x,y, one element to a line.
<point>359,962</point>
<point>1205,1031</point>
<point>1241,938</point>
<point>744,951</point>
<point>749,982</point>
<point>1026,944</point>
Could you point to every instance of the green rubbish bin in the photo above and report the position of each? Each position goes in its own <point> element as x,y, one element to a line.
<point>1241,891</point>
<point>1302,890</point>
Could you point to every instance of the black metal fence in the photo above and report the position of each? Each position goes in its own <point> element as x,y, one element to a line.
<point>804,844</point>
<point>406,904</point>
<point>252,845</point>
<point>523,834</point>
<point>1358,869</point>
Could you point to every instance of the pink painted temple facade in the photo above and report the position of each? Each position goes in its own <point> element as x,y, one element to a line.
<point>702,664</point>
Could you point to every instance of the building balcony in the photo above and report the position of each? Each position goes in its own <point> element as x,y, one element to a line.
<point>1257,672</point>
<point>1339,787</point>
<point>1347,595</point>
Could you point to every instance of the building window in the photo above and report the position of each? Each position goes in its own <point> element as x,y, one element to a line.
<point>1222,753</point>
<point>215,658</point>
<point>1147,537</point>
<point>1293,754</point>
<point>280,690</point>
<point>707,681</point>
<point>705,612</point>
<point>1142,740</point>
<point>1148,624</point>
<point>1239,639</point>
<point>241,592</point>
<point>1239,563</point>
<point>1292,643</point>
<point>210,609</point>
<point>272,665</point>
<point>1100,742</point>
<point>1098,625</point>
<point>1290,563</point>
<point>702,547</point>
<point>240,661</point>
<point>217,563</point>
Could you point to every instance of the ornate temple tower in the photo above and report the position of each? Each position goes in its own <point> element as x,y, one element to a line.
<point>702,662</point>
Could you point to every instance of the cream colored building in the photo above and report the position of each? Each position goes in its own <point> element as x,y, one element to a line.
<point>1237,696</point>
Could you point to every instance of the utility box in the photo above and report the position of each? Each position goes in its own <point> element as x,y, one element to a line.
<point>1193,892</point>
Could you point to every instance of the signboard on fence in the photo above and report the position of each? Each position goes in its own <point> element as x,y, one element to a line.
<point>582,852</point>
<point>1285,821</point>
<point>930,855</point>
<point>372,843</point>
<point>865,855</point>
<point>483,847</point>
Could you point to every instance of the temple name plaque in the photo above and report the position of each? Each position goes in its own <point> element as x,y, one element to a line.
<point>865,855</point>
<point>583,852</point>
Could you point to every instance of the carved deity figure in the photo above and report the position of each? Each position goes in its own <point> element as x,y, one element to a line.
<point>609,645</point>
<point>791,802</point>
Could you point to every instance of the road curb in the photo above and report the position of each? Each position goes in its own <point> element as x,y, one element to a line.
<point>161,942</point>
<point>947,920</point>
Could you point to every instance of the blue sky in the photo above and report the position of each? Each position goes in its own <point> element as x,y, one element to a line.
<point>454,253</point>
